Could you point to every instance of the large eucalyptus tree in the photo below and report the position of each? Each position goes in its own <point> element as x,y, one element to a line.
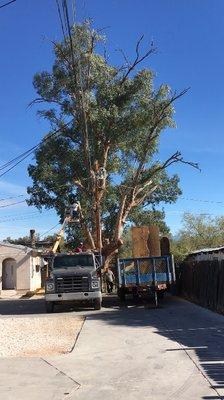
<point>109,120</point>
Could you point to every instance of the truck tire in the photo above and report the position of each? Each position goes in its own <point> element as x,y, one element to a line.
<point>135,295</point>
<point>121,294</point>
<point>97,304</point>
<point>49,306</point>
<point>160,295</point>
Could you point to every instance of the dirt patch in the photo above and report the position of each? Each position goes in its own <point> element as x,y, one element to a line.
<point>38,336</point>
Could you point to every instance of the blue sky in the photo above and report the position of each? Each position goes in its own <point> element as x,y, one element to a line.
<point>189,35</point>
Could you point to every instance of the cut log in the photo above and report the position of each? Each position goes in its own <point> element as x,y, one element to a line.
<point>165,246</point>
<point>154,241</point>
<point>140,236</point>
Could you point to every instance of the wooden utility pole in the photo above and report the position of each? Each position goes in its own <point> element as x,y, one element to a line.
<point>32,237</point>
<point>98,196</point>
<point>98,222</point>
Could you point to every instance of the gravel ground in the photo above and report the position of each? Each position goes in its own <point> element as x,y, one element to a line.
<point>38,336</point>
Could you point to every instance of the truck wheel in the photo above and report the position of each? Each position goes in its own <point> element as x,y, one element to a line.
<point>160,295</point>
<point>135,294</point>
<point>121,294</point>
<point>97,304</point>
<point>49,306</point>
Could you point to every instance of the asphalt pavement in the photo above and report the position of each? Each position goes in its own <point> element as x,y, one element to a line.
<point>124,352</point>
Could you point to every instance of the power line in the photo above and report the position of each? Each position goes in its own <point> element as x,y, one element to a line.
<point>25,214</point>
<point>12,197</point>
<point>179,212</point>
<point>49,188</point>
<point>17,160</point>
<point>31,150</point>
<point>14,165</point>
<point>20,218</point>
<point>6,4</point>
<point>18,215</point>
<point>60,18</point>
<point>85,179</point>
<point>202,201</point>
<point>82,97</point>
<point>13,204</point>
<point>8,163</point>
<point>73,11</point>
<point>51,229</point>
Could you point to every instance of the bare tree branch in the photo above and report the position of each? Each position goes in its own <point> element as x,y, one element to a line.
<point>141,199</point>
<point>138,59</point>
<point>175,158</point>
<point>105,154</point>
<point>143,187</point>
<point>120,217</point>
<point>153,134</point>
<point>125,58</point>
<point>89,63</point>
<point>39,100</point>
<point>87,231</point>
<point>80,185</point>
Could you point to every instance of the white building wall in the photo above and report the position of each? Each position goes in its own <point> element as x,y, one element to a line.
<point>21,256</point>
<point>35,272</point>
<point>23,273</point>
<point>27,274</point>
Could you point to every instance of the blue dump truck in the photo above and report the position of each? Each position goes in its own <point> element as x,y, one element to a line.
<point>146,277</point>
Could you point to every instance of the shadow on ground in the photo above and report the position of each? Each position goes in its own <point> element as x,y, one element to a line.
<point>197,330</point>
<point>31,306</point>
<point>22,307</point>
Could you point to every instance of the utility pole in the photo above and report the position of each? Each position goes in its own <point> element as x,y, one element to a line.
<point>32,238</point>
<point>98,223</point>
<point>97,211</point>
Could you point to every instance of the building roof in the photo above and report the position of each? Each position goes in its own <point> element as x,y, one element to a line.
<point>16,246</point>
<point>26,249</point>
<point>207,250</point>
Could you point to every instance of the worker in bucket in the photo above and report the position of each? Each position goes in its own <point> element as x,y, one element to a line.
<point>75,211</point>
<point>109,278</point>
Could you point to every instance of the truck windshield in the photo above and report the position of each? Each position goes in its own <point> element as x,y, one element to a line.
<point>74,261</point>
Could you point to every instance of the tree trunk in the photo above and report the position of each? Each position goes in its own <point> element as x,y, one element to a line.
<point>98,221</point>
<point>109,251</point>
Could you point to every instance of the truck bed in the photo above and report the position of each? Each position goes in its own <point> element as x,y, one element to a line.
<point>146,271</point>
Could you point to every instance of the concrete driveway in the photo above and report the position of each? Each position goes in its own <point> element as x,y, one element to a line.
<point>174,352</point>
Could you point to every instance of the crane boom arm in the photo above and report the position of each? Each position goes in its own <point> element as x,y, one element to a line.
<point>59,235</point>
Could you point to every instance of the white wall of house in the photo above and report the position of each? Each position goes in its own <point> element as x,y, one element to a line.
<point>20,267</point>
<point>23,272</point>
<point>35,272</point>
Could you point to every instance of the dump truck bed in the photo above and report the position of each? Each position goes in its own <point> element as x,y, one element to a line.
<point>145,274</point>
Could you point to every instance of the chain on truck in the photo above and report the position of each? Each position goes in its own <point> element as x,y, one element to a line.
<point>73,278</point>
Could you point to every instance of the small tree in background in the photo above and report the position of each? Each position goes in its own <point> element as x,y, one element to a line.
<point>24,240</point>
<point>198,232</point>
<point>105,153</point>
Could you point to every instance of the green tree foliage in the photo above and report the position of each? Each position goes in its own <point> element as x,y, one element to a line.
<point>110,119</point>
<point>198,232</point>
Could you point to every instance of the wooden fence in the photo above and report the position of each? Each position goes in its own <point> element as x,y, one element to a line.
<point>203,283</point>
